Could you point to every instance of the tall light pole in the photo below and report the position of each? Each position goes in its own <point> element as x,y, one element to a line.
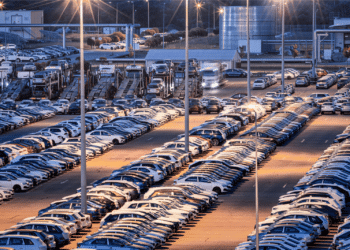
<point>148,11</point>
<point>282,73</point>
<point>187,113</point>
<point>313,40</point>
<point>198,6</point>
<point>249,94</point>
<point>256,185</point>
<point>117,14</point>
<point>214,17</point>
<point>98,16</point>
<point>82,116</point>
<point>163,23</point>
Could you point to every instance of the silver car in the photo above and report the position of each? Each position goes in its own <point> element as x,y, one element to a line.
<point>345,108</point>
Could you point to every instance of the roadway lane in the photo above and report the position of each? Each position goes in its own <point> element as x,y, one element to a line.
<point>34,127</point>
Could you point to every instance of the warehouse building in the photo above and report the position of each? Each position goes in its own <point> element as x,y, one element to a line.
<point>22,17</point>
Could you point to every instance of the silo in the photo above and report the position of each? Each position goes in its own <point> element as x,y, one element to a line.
<point>233,24</point>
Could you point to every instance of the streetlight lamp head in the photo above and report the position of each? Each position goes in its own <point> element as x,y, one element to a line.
<point>1,4</point>
<point>199,5</point>
<point>221,11</point>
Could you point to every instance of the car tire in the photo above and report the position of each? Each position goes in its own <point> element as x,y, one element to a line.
<point>217,190</point>
<point>289,77</point>
<point>31,60</point>
<point>215,142</point>
<point>322,113</point>
<point>341,113</point>
<point>17,189</point>
<point>115,142</point>
<point>18,60</point>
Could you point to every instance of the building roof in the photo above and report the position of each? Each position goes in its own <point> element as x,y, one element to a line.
<point>199,54</point>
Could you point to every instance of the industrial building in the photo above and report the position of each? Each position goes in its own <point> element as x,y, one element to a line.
<point>233,28</point>
<point>23,17</point>
<point>341,40</point>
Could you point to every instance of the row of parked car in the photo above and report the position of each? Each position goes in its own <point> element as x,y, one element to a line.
<point>143,224</point>
<point>150,222</point>
<point>284,123</point>
<point>11,119</point>
<point>339,102</point>
<point>11,53</point>
<point>314,204</point>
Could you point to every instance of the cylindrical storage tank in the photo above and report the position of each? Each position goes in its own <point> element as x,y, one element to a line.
<point>233,24</point>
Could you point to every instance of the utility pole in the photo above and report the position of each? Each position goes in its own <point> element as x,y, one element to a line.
<point>282,72</point>
<point>187,104</point>
<point>248,54</point>
<point>163,23</point>
<point>148,11</point>
<point>82,115</point>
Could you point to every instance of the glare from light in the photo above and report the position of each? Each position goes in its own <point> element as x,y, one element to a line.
<point>221,11</point>
<point>199,5</point>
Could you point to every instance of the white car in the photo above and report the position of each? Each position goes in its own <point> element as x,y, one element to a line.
<point>259,84</point>
<point>287,75</point>
<point>22,242</point>
<point>158,175</point>
<point>15,184</point>
<point>108,46</point>
<point>203,182</point>
<point>178,145</point>
<point>105,135</point>
<point>61,108</point>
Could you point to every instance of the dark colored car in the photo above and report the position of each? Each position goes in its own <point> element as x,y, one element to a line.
<point>74,108</point>
<point>234,73</point>
<point>216,136</point>
<point>195,106</point>
<point>214,106</point>
<point>342,82</point>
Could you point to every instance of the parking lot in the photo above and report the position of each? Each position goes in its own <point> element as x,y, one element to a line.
<point>233,217</point>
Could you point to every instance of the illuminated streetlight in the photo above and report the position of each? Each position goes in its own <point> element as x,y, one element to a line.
<point>198,5</point>
<point>1,5</point>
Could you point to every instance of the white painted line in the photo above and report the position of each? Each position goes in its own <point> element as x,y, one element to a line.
<point>150,138</point>
<point>64,181</point>
<point>326,141</point>
<point>285,185</point>
<point>302,140</point>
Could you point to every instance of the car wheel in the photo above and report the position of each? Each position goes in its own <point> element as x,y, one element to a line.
<point>18,60</point>
<point>322,112</point>
<point>217,190</point>
<point>208,112</point>
<point>115,142</point>
<point>215,142</point>
<point>17,189</point>
<point>289,77</point>
<point>200,111</point>
<point>341,113</point>
<point>31,60</point>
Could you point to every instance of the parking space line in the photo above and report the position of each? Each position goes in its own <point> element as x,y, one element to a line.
<point>64,181</point>
<point>285,185</point>
<point>302,140</point>
<point>150,138</point>
<point>326,141</point>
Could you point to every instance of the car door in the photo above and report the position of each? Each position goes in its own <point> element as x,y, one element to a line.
<point>29,244</point>
<point>16,243</point>
<point>4,241</point>
<point>204,183</point>
<point>100,244</point>
<point>191,180</point>
<point>5,182</point>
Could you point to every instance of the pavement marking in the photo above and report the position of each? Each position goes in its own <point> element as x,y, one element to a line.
<point>326,141</point>
<point>302,140</point>
<point>64,181</point>
<point>285,185</point>
<point>150,138</point>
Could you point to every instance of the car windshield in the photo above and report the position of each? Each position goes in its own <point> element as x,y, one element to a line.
<point>208,73</point>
